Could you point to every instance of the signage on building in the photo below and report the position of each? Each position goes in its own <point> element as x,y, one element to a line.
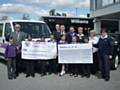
<point>79,21</point>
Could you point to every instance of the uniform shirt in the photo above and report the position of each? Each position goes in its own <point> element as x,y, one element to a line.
<point>10,51</point>
<point>105,45</point>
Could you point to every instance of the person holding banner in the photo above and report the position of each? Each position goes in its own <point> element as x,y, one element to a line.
<point>86,67</point>
<point>62,41</point>
<point>94,40</point>
<point>29,63</point>
<point>53,63</point>
<point>74,67</point>
<point>43,63</point>
<point>105,54</point>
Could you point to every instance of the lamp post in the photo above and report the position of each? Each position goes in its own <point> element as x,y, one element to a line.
<point>76,11</point>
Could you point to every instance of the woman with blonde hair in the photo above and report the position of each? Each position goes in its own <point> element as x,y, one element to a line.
<point>94,40</point>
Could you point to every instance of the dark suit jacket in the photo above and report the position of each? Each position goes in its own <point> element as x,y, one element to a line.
<point>69,36</point>
<point>57,35</point>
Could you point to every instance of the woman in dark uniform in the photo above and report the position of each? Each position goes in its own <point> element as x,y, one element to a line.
<point>104,50</point>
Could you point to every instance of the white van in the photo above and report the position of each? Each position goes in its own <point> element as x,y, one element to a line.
<point>36,28</point>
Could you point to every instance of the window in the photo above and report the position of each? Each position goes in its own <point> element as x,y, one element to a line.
<point>36,29</point>
<point>8,29</point>
<point>107,2</point>
<point>1,29</point>
<point>117,0</point>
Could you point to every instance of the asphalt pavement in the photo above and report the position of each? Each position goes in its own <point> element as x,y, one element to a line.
<point>54,82</point>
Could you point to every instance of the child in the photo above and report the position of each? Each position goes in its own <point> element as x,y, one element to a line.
<point>74,67</point>
<point>10,54</point>
<point>52,38</point>
<point>53,63</point>
<point>63,41</point>
<point>43,63</point>
<point>86,67</point>
<point>30,63</point>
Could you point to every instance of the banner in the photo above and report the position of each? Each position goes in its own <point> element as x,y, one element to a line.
<point>38,50</point>
<point>75,53</point>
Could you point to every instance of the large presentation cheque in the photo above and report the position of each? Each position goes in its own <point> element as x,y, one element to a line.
<point>38,50</point>
<point>75,53</point>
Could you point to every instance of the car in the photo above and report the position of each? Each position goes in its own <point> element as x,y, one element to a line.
<point>36,28</point>
<point>114,62</point>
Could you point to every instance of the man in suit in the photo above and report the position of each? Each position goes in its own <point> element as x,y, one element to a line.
<point>19,36</point>
<point>56,32</point>
<point>62,30</point>
<point>70,34</point>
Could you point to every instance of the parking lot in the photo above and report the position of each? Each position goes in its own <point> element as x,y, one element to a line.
<point>54,82</point>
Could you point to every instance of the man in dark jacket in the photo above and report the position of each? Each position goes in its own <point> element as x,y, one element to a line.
<point>70,34</point>
<point>104,50</point>
<point>56,32</point>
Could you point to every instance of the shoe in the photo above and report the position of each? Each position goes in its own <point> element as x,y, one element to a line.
<point>88,76</point>
<point>107,79</point>
<point>43,74</point>
<point>33,75</point>
<point>62,73</point>
<point>83,75</point>
<point>10,78</point>
<point>75,75</point>
<point>27,76</point>
<point>14,77</point>
<point>71,74</point>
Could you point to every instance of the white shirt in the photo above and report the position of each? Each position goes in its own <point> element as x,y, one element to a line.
<point>94,40</point>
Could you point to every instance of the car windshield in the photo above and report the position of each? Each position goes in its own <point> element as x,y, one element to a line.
<point>35,28</point>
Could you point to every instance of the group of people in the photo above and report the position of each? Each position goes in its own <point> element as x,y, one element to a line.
<point>102,48</point>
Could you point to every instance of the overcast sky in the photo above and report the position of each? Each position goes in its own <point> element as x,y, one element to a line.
<point>37,8</point>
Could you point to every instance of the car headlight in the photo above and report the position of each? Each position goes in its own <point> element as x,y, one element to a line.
<point>116,42</point>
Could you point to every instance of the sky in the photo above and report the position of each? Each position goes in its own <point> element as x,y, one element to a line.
<point>37,8</point>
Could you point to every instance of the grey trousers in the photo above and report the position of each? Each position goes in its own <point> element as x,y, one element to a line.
<point>11,66</point>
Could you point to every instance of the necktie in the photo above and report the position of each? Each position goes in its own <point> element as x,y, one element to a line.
<point>17,36</point>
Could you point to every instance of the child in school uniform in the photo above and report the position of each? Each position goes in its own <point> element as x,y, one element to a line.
<point>10,54</point>
<point>30,63</point>
<point>74,67</point>
<point>86,67</point>
<point>62,41</point>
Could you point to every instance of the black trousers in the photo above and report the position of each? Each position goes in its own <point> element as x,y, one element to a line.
<point>85,69</point>
<point>104,64</point>
<point>53,66</point>
<point>74,68</point>
<point>11,66</point>
<point>95,66</point>
<point>44,66</point>
<point>18,63</point>
<point>30,67</point>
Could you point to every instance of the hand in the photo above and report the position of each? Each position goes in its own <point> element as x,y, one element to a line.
<point>17,47</point>
<point>110,56</point>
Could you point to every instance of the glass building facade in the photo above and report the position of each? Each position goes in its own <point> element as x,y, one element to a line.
<point>104,13</point>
